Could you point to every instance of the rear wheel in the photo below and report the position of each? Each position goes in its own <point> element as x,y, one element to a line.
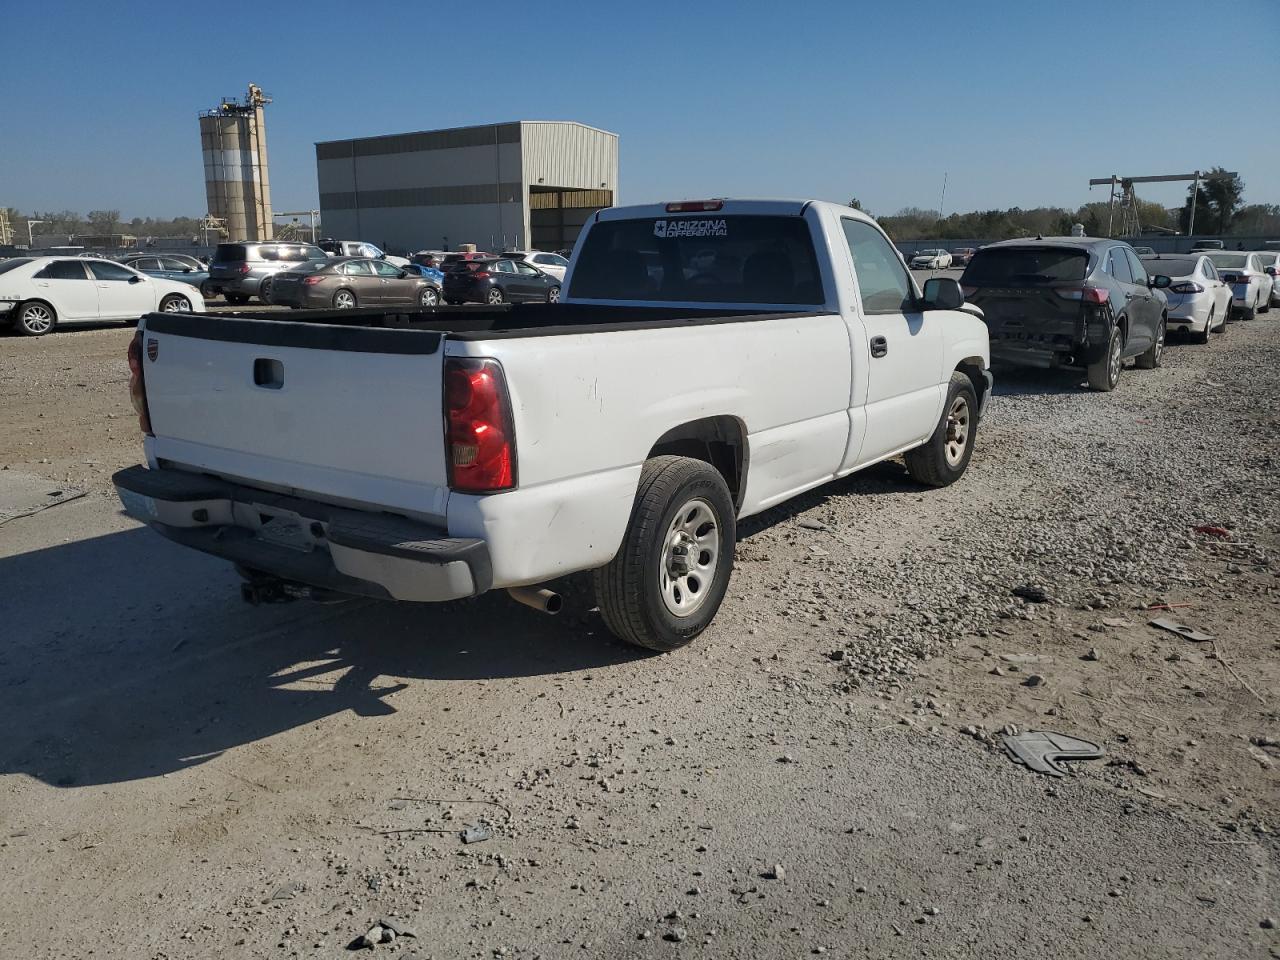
<point>1104,373</point>
<point>344,300</point>
<point>1264,305</point>
<point>1208,328</point>
<point>944,457</point>
<point>429,297</point>
<point>671,574</point>
<point>495,295</point>
<point>35,319</point>
<point>1150,359</point>
<point>207,291</point>
<point>1250,312</point>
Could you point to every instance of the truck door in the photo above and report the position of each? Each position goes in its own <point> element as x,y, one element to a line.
<point>901,400</point>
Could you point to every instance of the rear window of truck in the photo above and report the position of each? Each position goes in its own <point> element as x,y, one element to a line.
<point>1013,266</point>
<point>231,253</point>
<point>700,259</point>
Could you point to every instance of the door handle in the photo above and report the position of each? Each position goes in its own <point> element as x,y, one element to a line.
<point>879,346</point>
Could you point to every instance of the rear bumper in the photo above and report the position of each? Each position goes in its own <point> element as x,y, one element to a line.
<point>347,551</point>
<point>244,286</point>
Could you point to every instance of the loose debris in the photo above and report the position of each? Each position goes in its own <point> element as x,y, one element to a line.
<point>384,931</point>
<point>287,891</point>
<point>1032,593</point>
<point>1181,629</point>
<point>477,833</point>
<point>1038,749</point>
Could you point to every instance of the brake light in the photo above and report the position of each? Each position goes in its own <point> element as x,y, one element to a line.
<point>311,281</point>
<point>1187,286</point>
<point>480,274</point>
<point>138,385</point>
<point>695,206</point>
<point>1085,294</point>
<point>244,268</point>
<point>479,431</point>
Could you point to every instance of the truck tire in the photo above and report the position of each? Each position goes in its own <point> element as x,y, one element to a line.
<point>944,457</point>
<point>670,576</point>
<point>1104,373</point>
<point>1150,359</point>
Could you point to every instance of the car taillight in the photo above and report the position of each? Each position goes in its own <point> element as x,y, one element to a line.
<point>311,281</point>
<point>1086,294</point>
<point>1187,286</point>
<point>244,268</point>
<point>138,384</point>
<point>479,431</point>
<point>480,274</point>
<point>695,206</point>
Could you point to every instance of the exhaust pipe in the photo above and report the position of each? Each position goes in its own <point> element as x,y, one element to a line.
<point>543,600</point>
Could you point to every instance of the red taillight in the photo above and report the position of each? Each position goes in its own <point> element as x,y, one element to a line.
<point>480,274</point>
<point>138,385</point>
<point>1187,286</point>
<point>244,268</point>
<point>311,281</point>
<point>479,432</point>
<point>1086,294</point>
<point>695,206</point>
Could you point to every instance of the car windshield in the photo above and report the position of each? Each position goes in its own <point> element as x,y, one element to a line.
<point>700,259</point>
<point>1170,268</point>
<point>7,265</point>
<point>230,253</point>
<point>928,253</point>
<point>1025,265</point>
<point>1236,260</point>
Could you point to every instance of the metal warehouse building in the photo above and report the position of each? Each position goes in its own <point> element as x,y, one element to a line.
<point>532,183</point>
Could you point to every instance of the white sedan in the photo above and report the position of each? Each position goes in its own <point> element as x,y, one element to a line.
<point>551,263</point>
<point>930,260</point>
<point>38,293</point>
<point>1198,300</point>
<point>1250,284</point>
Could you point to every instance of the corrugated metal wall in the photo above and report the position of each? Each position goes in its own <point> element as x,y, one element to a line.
<point>570,155</point>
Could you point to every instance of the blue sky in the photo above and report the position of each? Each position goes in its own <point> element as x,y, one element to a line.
<point>1018,102</point>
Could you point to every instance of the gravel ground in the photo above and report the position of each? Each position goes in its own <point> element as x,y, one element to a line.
<point>188,777</point>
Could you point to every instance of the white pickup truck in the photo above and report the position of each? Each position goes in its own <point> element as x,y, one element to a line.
<point>711,359</point>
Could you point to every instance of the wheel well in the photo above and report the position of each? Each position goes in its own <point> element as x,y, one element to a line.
<point>972,368</point>
<point>719,441</point>
<point>36,300</point>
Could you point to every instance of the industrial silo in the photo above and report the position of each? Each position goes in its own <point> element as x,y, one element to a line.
<point>233,139</point>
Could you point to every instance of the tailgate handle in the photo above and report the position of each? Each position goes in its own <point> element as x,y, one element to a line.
<point>879,346</point>
<point>268,373</point>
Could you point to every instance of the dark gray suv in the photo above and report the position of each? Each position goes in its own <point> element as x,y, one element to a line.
<point>242,270</point>
<point>1069,301</point>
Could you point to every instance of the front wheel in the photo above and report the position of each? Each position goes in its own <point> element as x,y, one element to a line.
<point>670,576</point>
<point>553,295</point>
<point>944,457</point>
<point>175,303</point>
<point>1104,373</point>
<point>1150,358</point>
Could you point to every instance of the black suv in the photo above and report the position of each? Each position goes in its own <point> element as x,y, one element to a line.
<point>243,270</point>
<point>1069,301</point>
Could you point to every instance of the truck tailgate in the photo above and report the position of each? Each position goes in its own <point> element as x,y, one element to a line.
<point>348,413</point>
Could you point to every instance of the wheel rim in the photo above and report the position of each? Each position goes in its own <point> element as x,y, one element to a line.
<point>554,295</point>
<point>957,440</point>
<point>429,298</point>
<point>1160,332</point>
<point>344,300</point>
<point>495,296</point>
<point>1113,365</point>
<point>177,305</point>
<point>264,291</point>
<point>690,557</point>
<point>37,318</point>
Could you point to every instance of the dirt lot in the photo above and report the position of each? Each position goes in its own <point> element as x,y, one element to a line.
<point>185,776</point>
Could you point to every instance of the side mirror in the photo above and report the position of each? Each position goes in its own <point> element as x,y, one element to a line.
<point>186,269</point>
<point>1271,271</point>
<point>942,293</point>
<point>404,274</point>
<point>1160,281</point>
<point>135,279</point>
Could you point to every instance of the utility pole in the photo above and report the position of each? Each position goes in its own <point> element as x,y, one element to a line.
<point>943,199</point>
<point>31,237</point>
<point>1195,198</point>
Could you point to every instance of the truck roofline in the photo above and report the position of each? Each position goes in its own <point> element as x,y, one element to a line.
<point>731,206</point>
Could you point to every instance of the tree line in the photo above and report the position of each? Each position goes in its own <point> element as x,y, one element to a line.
<point>96,223</point>
<point>1220,209</point>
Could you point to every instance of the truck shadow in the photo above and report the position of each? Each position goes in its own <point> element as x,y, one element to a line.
<point>128,657</point>
<point>1012,381</point>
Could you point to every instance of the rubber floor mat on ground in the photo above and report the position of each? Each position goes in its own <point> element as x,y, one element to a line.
<point>22,494</point>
